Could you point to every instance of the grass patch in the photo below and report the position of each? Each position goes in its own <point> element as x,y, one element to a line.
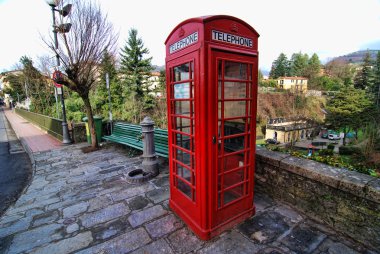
<point>260,141</point>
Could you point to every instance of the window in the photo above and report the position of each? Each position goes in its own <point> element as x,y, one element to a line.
<point>182,115</point>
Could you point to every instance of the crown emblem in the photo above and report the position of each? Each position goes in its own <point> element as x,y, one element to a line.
<point>234,27</point>
<point>181,32</point>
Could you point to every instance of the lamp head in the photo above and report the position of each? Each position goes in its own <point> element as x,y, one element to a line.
<point>53,3</point>
<point>63,28</point>
<point>66,10</point>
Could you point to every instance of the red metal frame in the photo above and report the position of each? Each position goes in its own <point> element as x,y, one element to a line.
<point>205,162</point>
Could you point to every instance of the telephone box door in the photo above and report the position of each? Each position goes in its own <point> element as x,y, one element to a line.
<point>235,84</point>
<point>182,104</point>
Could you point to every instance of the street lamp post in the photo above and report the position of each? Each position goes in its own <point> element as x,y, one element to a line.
<point>63,28</point>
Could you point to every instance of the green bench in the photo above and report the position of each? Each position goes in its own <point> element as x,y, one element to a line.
<point>131,135</point>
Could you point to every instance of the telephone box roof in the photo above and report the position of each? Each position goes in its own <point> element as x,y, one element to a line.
<point>206,19</point>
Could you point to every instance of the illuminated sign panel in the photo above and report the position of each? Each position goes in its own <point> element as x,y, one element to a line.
<point>183,43</point>
<point>231,38</point>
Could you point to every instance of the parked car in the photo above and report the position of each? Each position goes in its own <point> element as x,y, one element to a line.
<point>334,136</point>
<point>272,141</point>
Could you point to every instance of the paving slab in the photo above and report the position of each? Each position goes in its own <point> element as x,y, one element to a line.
<point>265,227</point>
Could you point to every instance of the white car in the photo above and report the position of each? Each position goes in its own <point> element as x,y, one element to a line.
<point>334,136</point>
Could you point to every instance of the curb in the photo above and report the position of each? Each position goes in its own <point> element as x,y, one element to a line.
<point>26,150</point>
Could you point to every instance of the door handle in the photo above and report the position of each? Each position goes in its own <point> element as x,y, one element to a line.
<point>213,139</point>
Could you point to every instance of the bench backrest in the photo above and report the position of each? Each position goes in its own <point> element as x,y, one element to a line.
<point>134,132</point>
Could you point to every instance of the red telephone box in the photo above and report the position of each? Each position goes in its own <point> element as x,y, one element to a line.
<point>211,73</point>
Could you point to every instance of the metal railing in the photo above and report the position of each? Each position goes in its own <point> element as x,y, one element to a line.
<point>52,126</point>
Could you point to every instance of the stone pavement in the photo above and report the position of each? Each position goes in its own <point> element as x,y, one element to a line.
<point>81,203</point>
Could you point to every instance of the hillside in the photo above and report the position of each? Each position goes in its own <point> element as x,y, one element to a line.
<point>356,57</point>
<point>270,105</point>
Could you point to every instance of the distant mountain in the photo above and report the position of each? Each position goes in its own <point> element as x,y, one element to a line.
<point>356,57</point>
<point>265,72</point>
<point>158,68</point>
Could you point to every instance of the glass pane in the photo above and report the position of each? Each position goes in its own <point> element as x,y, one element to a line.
<point>182,72</point>
<point>234,144</point>
<point>182,108</point>
<point>219,128</point>
<point>235,90</point>
<point>234,178</point>
<point>220,90</point>
<point>192,70</point>
<point>182,186</point>
<point>236,126</point>
<point>233,194</point>
<point>183,141</point>
<point>220,69</point>
<point>219,110</point>
<point>184,157</point>
<point>234,109</point>
<point>234,70</point>
<point>184,173</point>
<point>183,124</point>
<point>230,162</point>
<point>220,183</point>
<point>182,91</point>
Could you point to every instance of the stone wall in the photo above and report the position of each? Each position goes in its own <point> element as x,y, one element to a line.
<point>348,201</point>
<point>78,132</point>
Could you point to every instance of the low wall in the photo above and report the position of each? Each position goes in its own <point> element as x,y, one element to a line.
<point>348,201</point>
<point>53,126</point>
<point>78,133</point>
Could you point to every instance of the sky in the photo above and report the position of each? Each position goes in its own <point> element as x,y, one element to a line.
<point>329,28</point>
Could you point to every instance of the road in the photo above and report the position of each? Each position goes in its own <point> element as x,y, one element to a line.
<point>15,166</point>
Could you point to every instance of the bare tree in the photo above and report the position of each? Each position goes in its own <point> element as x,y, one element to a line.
<point>45,63</point>
<point>81,51</point>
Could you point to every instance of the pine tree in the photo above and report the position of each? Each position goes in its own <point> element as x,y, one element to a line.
<point>349,109</point>
<point>298,64</point>
<point>136,71</point>
<point>135,68</point>
<point>280,67</point>
<point>377,80</point>
<point>313,67</point>
<point>364,78</point>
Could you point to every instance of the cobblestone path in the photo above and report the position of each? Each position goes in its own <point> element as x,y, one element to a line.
<point>81,203</point>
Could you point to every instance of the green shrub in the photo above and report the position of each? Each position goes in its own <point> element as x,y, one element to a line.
<point>325,152</point>
<point>75,116</point>
<point>349,150</point>
<point>330,146</point>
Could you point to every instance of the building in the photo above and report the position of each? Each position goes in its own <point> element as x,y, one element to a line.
<point>294,84</point>
<point>154,81</point>
<point>288,130</point>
